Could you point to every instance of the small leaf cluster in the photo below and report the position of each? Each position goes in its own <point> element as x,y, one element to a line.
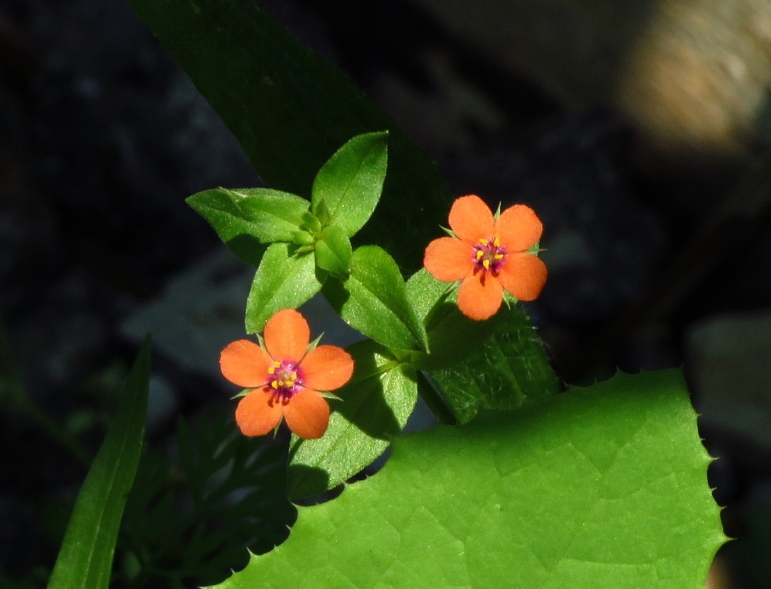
<point>302,247</point>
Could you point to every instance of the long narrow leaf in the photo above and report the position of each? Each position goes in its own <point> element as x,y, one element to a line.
<point>85,558</point>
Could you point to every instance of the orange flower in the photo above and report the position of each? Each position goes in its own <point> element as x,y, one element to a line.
<point>285,378</point>
<point>488,255</point>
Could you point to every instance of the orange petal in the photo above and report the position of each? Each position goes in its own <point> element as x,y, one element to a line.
<point>307,414</point>
<point>327,368</point>
<point>471,219</point>
<point>287,336</point>
<point>448,259</point>
<point>518,228</point>
<point>480,296</point>
<point>258,414</point>
<point>244,363</point>
<point>523,275</point>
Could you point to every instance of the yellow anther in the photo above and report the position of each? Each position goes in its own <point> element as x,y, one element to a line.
<point>486,264</point>
<point>274,384</point>
<point>484,242</point>
<point>294,376</point>
<point>498,256</point>
<point>496,242</point>
<point>271,370</point>
<point>480,253</point>
<point>276,364</point>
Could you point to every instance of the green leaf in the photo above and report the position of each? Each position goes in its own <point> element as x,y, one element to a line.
<point>508,370</point>
<point>333,252</point>
<point>598,487</point>
<point>85,558</point>
<point>290,110</point>
<point>248,218</point>
<point>373,300</point>
<point>351,181</point>
<point>373,408</point>
<point>282,281</point>
<point>435,304</point>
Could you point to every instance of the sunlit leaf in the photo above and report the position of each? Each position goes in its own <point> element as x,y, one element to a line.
<point>597,487</point>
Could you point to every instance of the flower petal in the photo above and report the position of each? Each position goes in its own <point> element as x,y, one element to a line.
<point>287,336</point>
<point>471,219</point>
<point>326,368</point>
<point>449,259</point>
<point>245,363</point>
<point>523,275</point>
<point>518,228</point>
<point>480,296</point>
<point>307,414</point>
<point>258,413</point>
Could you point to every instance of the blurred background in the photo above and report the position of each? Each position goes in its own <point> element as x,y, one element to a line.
<point>637,129</point>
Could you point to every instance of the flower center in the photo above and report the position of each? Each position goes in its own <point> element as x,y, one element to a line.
<point>285,379</point>
<point>489,255</point>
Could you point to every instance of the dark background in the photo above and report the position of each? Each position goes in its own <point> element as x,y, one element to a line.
<point>657,234</point>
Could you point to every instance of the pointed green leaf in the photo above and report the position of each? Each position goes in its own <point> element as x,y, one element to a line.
<point>508,370</point>
<point>333,252</point>
<point>282,281</point>
<point>435,304</point>
<point>373,300</point>
<point>85,558</point>
<point>501,364</point>
<point>373,408</point>
<point>247,219</point>
<point>598,487</point>
<point>351,181</point>
<point>290,110</point>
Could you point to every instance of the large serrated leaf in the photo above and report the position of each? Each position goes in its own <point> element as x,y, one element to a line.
<point>85,558</point>
<point>598,487</point>
<point>373,408</point>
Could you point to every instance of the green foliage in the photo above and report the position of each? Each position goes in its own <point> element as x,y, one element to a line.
<point>373,300</point>
<point>350,183</point>
<point>371,410</point>
<point>188,520</point>
<point>333,252</point>
<point>579,491</point>
<point>507,371</point>
<point>247,219</point>
<point>85,558</point>
<point>284,279</point>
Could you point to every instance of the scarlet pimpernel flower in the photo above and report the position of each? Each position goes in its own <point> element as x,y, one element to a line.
<point>286,378</point>
<point>488,256</point>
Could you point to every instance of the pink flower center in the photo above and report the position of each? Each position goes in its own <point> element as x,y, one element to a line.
<point>285,379</point>
<point>489,254</point>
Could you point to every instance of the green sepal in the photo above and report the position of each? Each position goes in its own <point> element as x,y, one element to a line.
<point>282,281</point>
<point>373,300</point>
<point>321,211</point>
<point>247,219</point>
<point>349,185</point>
<point>373,408</point>
<point>333,252</point>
